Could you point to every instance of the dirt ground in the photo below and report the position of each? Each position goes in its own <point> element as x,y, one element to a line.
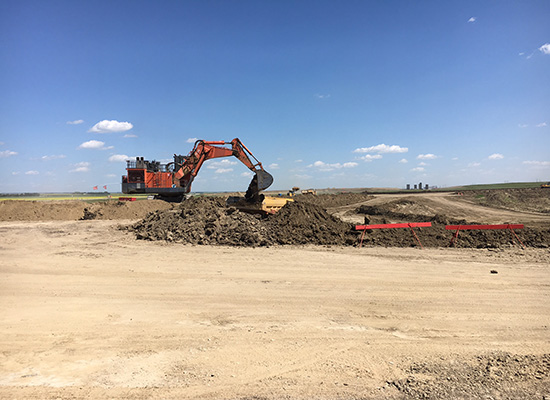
<point>89,311</point>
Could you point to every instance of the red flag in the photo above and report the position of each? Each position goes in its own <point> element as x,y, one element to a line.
<point>105,187</point>
<point>95,187</point>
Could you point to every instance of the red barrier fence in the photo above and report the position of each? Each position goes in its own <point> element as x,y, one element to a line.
<point>458,228</point>
<point>410,225</point>
<point>127,199</point>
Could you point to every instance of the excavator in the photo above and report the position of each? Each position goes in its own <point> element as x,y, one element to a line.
<point>172,181</point>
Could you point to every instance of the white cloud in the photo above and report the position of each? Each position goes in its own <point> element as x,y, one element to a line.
<point>192,140</point>
<point>83,166</point>
<point>32,173</point>
<point>273,166</point>
<point>94,144</point>
<point>474,164</point>
<point>322,166</point>
<point>299,161</point>
<point>538,163</point>
<point>422,164</point>
<point>7,153</point>
<point>247,174</point>
<point>75,122</point>
<point>129,135</point>
<point>472,19</point>
<point>370,157</point>
<point>496,156</point>
<point>545,48</point>
<point>221,164</point>
<point>53,157</point>
<point>382,149</point>
<point>523,125</point>
<point>418,169</point>
<point>107,126</point>
<point>454,158</point>
<point>428,156</point>
<point>118,158</point>
<point>541,125</point>
<point>16,173</point>
<point>403,161</point>
<point>323,96</point>
<point>223,170</point>
<point>302,176</point>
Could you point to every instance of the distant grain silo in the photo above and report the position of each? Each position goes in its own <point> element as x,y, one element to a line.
<point>426,187</point>
<point>408,186</point>
<point>415,186</point>
<point>420,186</point>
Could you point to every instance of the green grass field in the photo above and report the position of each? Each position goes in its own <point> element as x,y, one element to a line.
<point>508,185</point>
<point>77,196</point>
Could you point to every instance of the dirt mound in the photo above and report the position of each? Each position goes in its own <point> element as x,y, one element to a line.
<point>531,199</point>
<point>23,210</point>
<point>208,221</point>
<point>406,210</point>
<point>69,210</point>
<point>305,223</point>
<point>437,236</point>
<point>123,209</point>
<point>333,200</point>
<point>402,210</point>
<point>203,220</point>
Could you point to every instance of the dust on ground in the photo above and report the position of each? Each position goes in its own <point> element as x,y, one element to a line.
<point>91,312</point>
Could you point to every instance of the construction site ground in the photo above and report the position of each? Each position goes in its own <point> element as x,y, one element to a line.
<point>121,300</point>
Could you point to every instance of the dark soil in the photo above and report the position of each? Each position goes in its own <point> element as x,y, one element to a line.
<point>496,375</point>
<point>204,220</point>
<point>207,221</point>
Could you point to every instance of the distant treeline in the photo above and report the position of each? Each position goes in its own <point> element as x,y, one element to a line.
<point>53,194</point>
<point>19,194</point>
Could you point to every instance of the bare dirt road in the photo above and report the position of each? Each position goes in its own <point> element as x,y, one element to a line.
<point>87,311</point>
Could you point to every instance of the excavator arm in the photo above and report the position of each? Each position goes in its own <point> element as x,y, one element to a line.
<point>187,167</point>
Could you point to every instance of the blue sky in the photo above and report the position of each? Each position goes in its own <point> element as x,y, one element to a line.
<point>324,93</point>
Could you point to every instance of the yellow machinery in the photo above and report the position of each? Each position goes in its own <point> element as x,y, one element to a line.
<point>268,205</point>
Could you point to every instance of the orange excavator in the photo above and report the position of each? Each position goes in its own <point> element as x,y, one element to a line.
<point>172,181</point>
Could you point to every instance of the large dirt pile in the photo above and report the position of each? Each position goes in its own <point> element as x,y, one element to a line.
<point>203,220</point>
<point>206,220</point>
<point>71,210</point>
<point>123,209</point>
<point>405,210</point>
<point>23,210</point>
<point>530,199</point>
<point>304,223</point>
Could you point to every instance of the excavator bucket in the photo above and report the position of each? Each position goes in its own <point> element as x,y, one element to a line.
<point>261,180</point>
<point>265,179</point>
